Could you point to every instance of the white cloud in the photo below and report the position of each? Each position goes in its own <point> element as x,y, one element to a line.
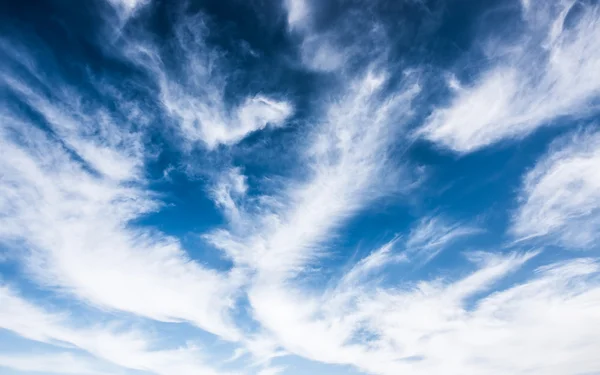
<point>127,8</point>
<point>113,153</point>
<point>297,12</point>
<point>550,73</point>
<point>125,348</point>
<point>329,49</point>
<point>193,90</point>
<point>348,166</point>
<point>371,264</point>
<point>69,197</point>
<point>432,235</point>
<point>75,226</point>
<point>109,143</point>
<point>56,363</point>
<point>255,114</point>
<point>561,194</point>
<point>232,186</point>
<point>271,371</point>
<point>464,326</point>
<point>319,52</point>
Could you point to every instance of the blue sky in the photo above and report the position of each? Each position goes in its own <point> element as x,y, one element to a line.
<point>300,187</point>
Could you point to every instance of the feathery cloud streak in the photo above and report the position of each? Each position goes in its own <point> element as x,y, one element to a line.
<point>72,205</point>
<point>129,349</point>
<point>192,89</point>
<point>348,167</point>
<point>431,328</point>
<point>561,194</point>
<point>549,73</point>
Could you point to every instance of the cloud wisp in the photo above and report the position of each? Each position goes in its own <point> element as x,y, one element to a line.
<point>73,204</point>
<point>433,234</point>
<point>548,74</point>
<point>440,326</point>
<point>192,86</point>
<point>348,166</point>
<point>560,197</point>
<point>125,348</point>
<point>56,363</point>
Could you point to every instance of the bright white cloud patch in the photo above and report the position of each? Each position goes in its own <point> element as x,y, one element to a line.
<point>73,224</point>
<point>57,363</point>
<point>561,194</point>
<point>549,75</point>
<point>348,167</point>
<point>128,5</point>
<point>298,11</point>
<point>325,48</point>
<point>71,204</point>
<point>445,326</point>
<point>193,91</point>
<point>126,348</point>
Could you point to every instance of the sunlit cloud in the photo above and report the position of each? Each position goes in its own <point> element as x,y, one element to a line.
<point>125,348</point>
<point>72,203</point>
<point>193,90</point>
<point>58,363</point>
<point>433,234</point>
<point>165,209</point>
<point>386,331</point>
<point>348,167</point>
<point>548,75</point>
<point>560,196</point>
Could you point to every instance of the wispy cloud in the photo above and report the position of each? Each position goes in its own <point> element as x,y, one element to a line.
<point>229,189</point>
<point>433,234</point>
<point>549,73</point>
<point>348,166</point>
<point>560,197</point>
<point>56,363</point>
<point>318,50</point>
<point>338,46</point>
<point>126,8</point>
<point>71,195</point>
<point>127,348</point>
<point>298,13</point>
<point>271,371</point>
<point>440,326</point>
<point>192,87</point>
<point>372,264</point>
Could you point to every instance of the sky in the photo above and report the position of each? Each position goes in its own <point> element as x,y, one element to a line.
<point>290,187</point>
